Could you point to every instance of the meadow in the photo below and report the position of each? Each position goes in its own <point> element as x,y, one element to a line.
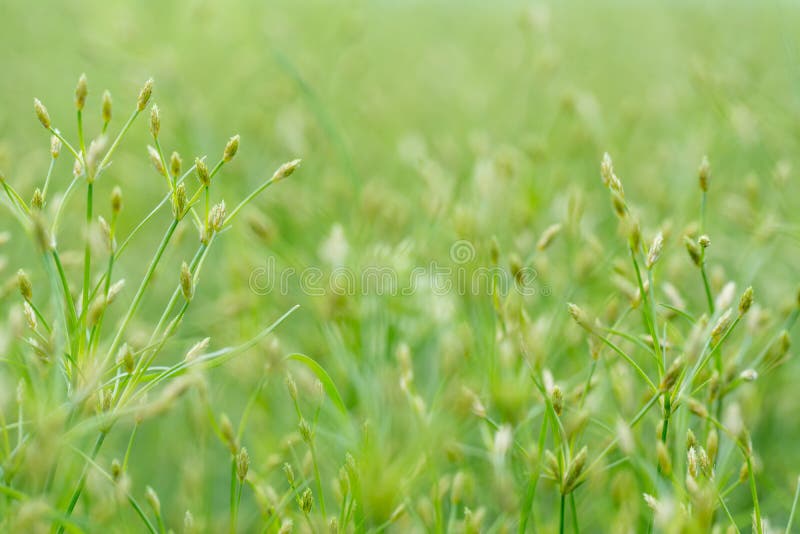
<point>380,266</point>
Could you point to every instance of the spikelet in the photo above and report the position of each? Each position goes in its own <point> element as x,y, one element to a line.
<point>217,216</point>
<point>704,174</point>
<point>152,499</point>
<point>574,471</point>
<point>242,464</point>
<point>179,201</point>
<point>693,248</point>
<point>722,325</point>
<point>155,121</point>
<point>81,91</point>
<point>664,461</point>
<point>175,164</point>
<point>24,285</point>
<point>41,113</point>
<point>746,301</point>
<point>228,434</point>
<point>144,95</point>
<point>197,349</point>
<point>202,171</point>
<point>655,250</point>
<point>548,236</point>
<point>116,200</point>
<point>106,109</point>
<point>306,501</point>
<point>55,146</point>
<point>155,159</point>
<point>231,149</point>
<point>557,398</point>
<point>187,282</point>
<point>285,170</point>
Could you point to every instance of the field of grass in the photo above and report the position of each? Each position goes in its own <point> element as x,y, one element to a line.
<point>480,267</point>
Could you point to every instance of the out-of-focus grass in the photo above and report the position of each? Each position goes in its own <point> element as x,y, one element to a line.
<point>422,123</point>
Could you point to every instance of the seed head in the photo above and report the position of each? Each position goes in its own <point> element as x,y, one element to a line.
<point>285,170</point>
<point>30,315</point>
<point>693,249</point>
<point>188,522</point>
<point>187,282</point>
<point>306,432</point>
<point>704,241</point>
<point>580,317</point>
<point>41,113</point>
<point>106,112</point>
<point>289,472</point>
<point>228,434</point>
<point>179,201</point>
<point>155,159</point>
<point>116,200</point>
<point>201,169</point>
<point>81,91</point>
<point>722,325</point>
<point>126,359</point>
<point>746,301</point>
<point>704,173</point>
<point>55,146</point>
<point>618,202</point>
<point>655,250</point>
<point>37,202</point>
<point>697,408</point>
<point>197,349</point>
<point>306,501</point>
<point>574,472</point>
<point>116,469</point>
<point>291,385</point>
<point>557,398</point>
<point>691,440</point>
<point>155,121</point>
<point>664,461</point>
<point>231,148</point>
<point>548,235</point>
<point>24,284</point>
<point>144,95</point>
<point>152,499</point>
<point>217,216</point>
<point>175,164</point>
<point>749,375</point>
<point>242,464</point>
<point>672,374</point>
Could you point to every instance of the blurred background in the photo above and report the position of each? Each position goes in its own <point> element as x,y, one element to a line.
<point>421,124</point>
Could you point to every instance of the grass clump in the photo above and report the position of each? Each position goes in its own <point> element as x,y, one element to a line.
<point>78,371</point>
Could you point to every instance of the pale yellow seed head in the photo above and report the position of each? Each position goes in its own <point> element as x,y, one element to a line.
<point>242,464</point>
<point>152,499</point>
<point>37,202</point>
<point>704,173</point>
<point>24,284</point>
<point>201,169</point>
<point>175,164</point>
<point>41,113</point>
<point>746,301</point>
<point>55,146</point>
<point>155,121</point>
<point>107,105</point>
<point>144,95</point>
<point>187,282</point>
<point>286,170</point>
<point>81,91</point>
<point>231,148</point>
<point>655,250</point>
<point>116,200</point>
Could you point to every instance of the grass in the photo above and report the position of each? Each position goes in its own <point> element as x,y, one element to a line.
<point>619,190</point>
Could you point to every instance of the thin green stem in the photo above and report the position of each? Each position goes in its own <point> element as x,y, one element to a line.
<point>114,145</point>
<point>794,508</point>
<point>137,299</point>
<point>76,493</point>
<point>561,514</point>
<point>754,492</point>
